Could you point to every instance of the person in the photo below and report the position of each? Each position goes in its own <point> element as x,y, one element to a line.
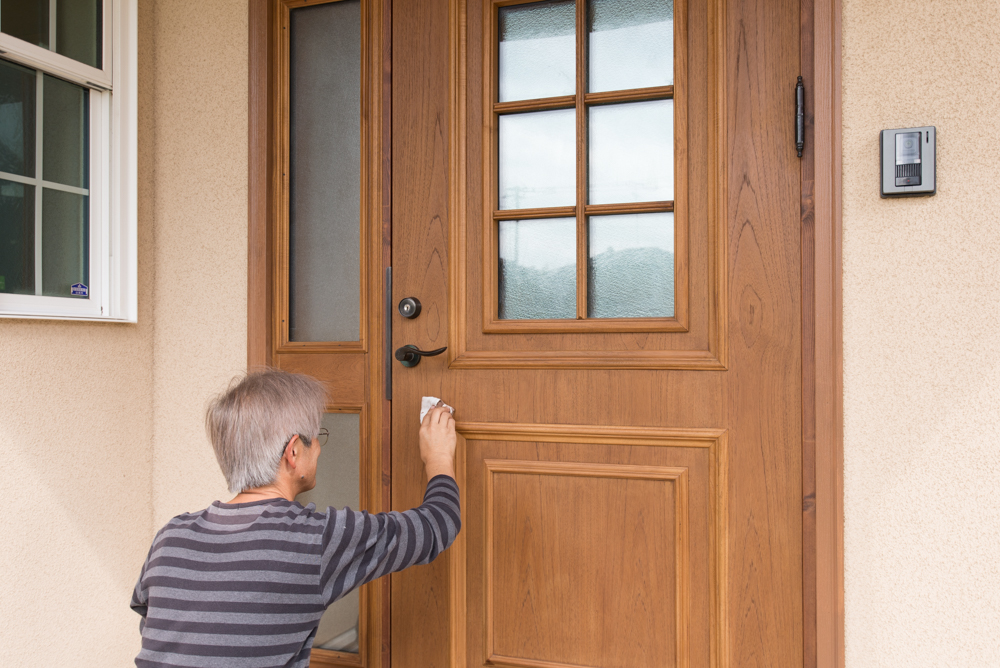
<point>245,583</point>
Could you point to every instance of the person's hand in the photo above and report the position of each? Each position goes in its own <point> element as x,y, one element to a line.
<point>437,442</point>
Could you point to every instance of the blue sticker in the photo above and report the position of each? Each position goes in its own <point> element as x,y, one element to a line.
<point>79,290</point>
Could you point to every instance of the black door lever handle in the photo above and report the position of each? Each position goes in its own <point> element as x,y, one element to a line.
<point>410,355</point>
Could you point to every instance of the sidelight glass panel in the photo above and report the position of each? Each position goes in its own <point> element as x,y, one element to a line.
<point>338,484</point>
<point>325,173</point>
<point>538,159</point>
<point>537,50</point>
<point>17,238</point>
<point>631,266</point>
<point>65,242</point>
<point>631,44</point>
<point>538,268</point>
<point>65,120</point>
<point>74,30</point>
<point>17,119</point>
<point>631,152</point>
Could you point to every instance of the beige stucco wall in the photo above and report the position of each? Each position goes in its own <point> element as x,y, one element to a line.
<point>101,425</point>
<point>922,340</point>
<point>199,80</point>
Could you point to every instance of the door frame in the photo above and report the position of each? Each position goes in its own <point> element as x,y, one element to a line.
<point>822,303</point>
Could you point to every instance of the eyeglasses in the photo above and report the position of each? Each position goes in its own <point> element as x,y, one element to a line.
<point>322,437</point>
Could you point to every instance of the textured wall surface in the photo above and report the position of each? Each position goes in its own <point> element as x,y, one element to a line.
<point>199,298</point>
<point>922,340</point>
<point>76,428</point>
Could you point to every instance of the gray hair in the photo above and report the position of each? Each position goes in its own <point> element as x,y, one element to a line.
<point>251,422</point>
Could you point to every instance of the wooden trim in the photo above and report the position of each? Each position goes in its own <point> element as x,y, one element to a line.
<point>822,339</point>
<point>582,142</point>
<point>633,95</point>
<point>258,193</point>
<point>280,334</point>
<point>540,104</point>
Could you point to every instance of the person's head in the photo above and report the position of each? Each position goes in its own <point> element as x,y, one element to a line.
<point>252,422</point>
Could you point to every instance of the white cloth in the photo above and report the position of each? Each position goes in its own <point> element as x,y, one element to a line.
<point>428,403</point>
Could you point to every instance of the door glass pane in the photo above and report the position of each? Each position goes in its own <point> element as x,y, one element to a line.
<point>537,50</point>
<point>538,268</point>
<point>631,266</point>
<point>338,484</point>
<point>631,44</point>
<point>27,20</point>
<point>631,152</point>
<point>17,119</point>
<point>325,173</point>
<point>65,242</point>
<point>538,159</point>
<point>78,30</point>
<point>17,238</point>
<point>65,123</point>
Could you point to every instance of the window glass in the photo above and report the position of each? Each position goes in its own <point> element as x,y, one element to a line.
<point>73,30</point>
<point>538,268</point>
<point>338,484</point>
<point>537,159</point>
<point>631,152</point>
<point>537,50</point>
<point>46,225</point>
<point>325,173</point>
<point>631,44</point>
<point>631,266</point>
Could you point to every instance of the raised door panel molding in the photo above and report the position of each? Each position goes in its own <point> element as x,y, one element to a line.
<point>567,578</point>
<point>615,558</point>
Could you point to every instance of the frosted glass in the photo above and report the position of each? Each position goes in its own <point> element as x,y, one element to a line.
<point>631,266</point>
<point>17,238</point>
<point>65,242</point>
<point>78,30</point>
<point>631,152</point>
<point>631,44</point>
<point>338,484</point>
<point>537,50</point>
<point>65,124</point>
<point>538,159</point>
<point>17,119</point>
<point>538,268</point>
<point>325,173</point>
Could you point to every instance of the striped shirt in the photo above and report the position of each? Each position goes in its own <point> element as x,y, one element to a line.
<point>246,584</point>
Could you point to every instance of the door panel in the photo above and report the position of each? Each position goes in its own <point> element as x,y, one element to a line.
<point>631,487</point>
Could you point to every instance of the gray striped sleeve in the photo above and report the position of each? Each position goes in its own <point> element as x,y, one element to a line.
<point>359,547</point>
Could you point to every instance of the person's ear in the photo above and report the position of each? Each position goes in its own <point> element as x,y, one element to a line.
<point>291,450</point>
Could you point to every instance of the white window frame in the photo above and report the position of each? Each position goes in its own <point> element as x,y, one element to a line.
<point>113,288</point>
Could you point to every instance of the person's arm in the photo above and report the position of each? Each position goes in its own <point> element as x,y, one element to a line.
<point>140,595</point>
<point>359,547</point>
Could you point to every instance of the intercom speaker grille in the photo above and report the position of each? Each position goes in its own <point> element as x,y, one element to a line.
<point>907,170</point>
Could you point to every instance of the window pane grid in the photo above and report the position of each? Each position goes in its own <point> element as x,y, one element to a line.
<point>582,101</point>
<point>57,236</point>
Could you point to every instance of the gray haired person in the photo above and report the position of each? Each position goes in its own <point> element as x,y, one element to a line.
<point>245,583</point>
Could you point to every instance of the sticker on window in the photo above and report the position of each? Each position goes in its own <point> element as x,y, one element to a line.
<point>78,290</point>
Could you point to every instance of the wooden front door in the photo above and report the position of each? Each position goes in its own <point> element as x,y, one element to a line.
<point>624,347</point>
